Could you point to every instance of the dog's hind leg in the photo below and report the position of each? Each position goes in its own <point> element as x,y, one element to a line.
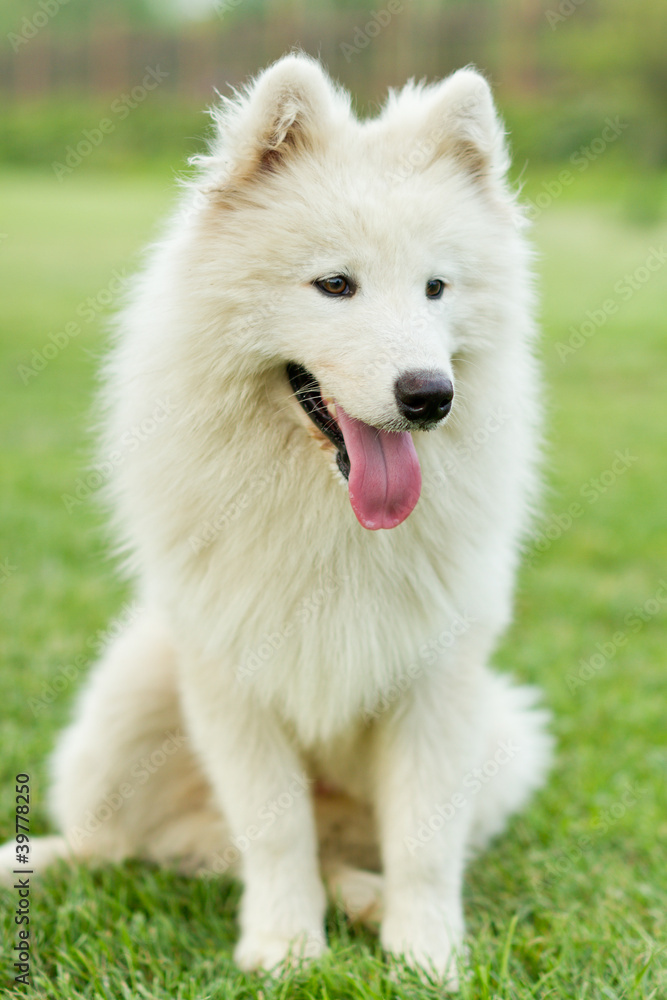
<point>125,782</point>
<point>349,856</point>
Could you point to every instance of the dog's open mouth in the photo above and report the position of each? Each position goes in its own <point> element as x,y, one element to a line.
<point>307,391</point>
<point>382,468</point>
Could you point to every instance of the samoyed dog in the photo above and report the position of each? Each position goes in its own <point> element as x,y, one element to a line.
<point>325,525</point>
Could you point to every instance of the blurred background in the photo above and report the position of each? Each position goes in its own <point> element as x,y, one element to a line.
<point>101,104</point>
<point>559,67</point>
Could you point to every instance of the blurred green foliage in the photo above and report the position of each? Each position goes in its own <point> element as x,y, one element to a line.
<point>560,68</point>
<point>68,15</point>
<point>162,130</point>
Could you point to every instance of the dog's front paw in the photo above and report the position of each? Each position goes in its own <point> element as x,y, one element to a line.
<point>431,950</point>
<point>276,954</point>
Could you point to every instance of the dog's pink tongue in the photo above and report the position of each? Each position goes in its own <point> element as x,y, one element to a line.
<point>385,478</point>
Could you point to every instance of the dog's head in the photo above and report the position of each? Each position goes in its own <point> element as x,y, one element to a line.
<point>359,259</point>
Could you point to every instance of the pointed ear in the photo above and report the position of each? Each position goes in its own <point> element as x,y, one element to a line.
<point>287,110</point>
<point>463,123</point>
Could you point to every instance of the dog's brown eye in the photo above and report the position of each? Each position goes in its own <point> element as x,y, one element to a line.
<point>337,285</point>
<point>434,288</point>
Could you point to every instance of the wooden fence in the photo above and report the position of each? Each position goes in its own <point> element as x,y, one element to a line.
<point>368,52</point>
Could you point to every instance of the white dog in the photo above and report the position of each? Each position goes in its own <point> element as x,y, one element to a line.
<point>329,291</point>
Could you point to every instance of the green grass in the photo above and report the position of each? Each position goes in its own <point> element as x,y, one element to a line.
<point>572,902</point>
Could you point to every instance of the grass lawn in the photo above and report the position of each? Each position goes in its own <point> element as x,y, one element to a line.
<point>572,902</point>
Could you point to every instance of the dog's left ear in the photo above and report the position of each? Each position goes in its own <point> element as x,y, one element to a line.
<point>286,111</point>
<point>462,123</point>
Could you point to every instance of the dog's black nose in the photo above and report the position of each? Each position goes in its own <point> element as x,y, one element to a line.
<point>424,397</point>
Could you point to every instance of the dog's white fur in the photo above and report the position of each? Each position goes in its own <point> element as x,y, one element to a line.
<point>284,641</point>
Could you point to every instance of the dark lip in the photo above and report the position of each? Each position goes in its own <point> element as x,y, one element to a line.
<point>307,391</point>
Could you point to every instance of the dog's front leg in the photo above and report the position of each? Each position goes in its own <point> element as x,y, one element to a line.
<point>423,750</point>
<point>262,789</point>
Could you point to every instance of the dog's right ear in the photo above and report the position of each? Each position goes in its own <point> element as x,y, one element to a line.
<point>286,111</point>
